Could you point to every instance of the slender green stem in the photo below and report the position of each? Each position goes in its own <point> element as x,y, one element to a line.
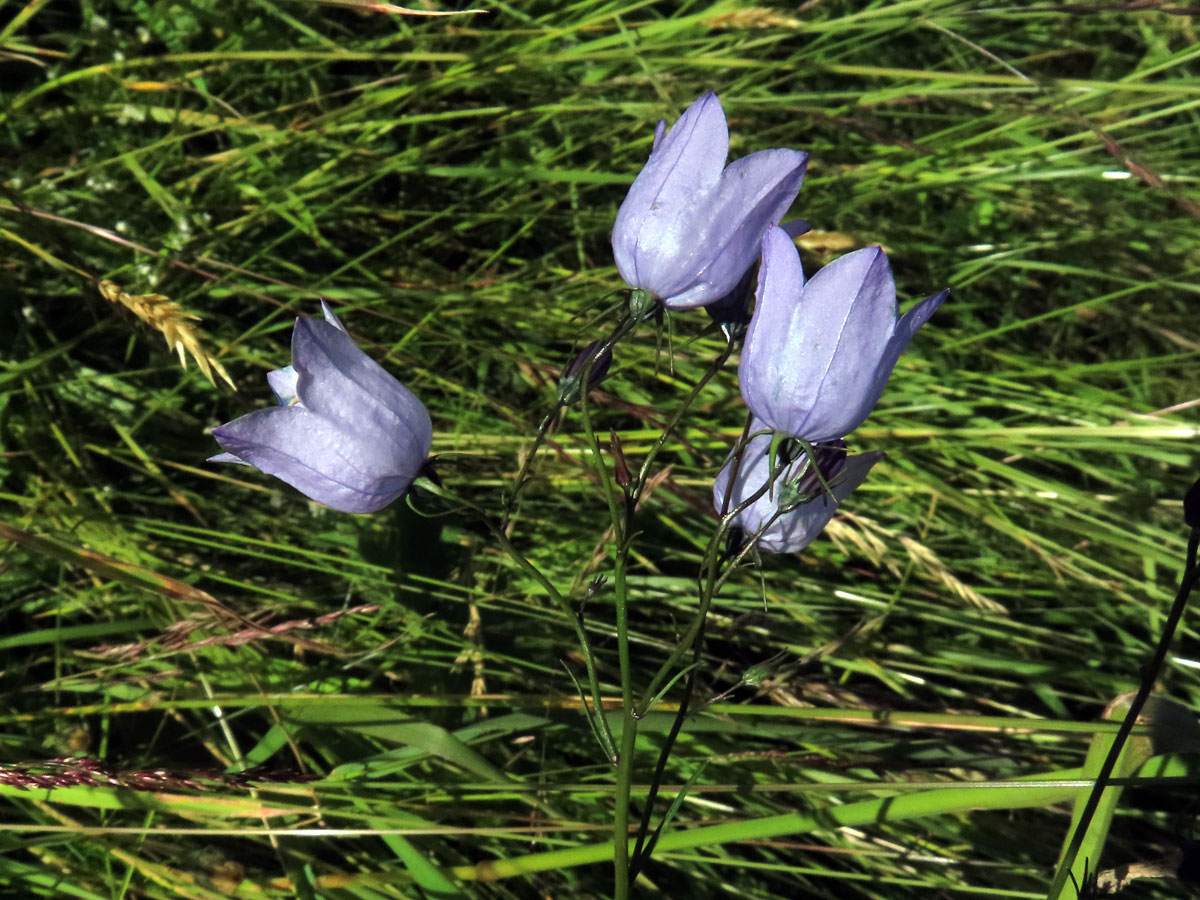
<point>606,480</point>
<point>526,465</point>
<point>676,417</point>
<point>602,727</point>
<point>622,880</point>
<point>708,578</point>
<point>710,581</point>
<point>619,513</point>
<point>622,515</point>
<point>564,605</point>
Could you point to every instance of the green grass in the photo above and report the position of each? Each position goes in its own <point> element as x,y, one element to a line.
<point>449,185</point>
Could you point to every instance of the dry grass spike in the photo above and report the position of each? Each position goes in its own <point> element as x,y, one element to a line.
<point>165,316</point>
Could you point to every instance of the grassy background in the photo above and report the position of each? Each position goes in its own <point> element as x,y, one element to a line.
<point>449,185</point>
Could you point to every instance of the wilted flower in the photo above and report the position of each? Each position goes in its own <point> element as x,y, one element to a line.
<point>690,227</point>
<point>795,507</point>
<point>346,433</point>
<point>818,355</point>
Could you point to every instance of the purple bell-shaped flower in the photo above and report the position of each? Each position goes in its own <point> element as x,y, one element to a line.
<point>346,433</point>
<point>818,354</point>
<point>795,508</point>
<point>691,226</point>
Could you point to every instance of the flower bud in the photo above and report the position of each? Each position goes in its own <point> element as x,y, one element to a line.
<point>570,386</point>
<point>789,515</point>
<point>829,460</point>
<point>620,467</point>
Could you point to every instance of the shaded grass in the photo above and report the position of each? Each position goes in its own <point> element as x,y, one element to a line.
<point>449,186</point>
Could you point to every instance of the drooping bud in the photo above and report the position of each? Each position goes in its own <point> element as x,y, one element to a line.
<point>570,386</point>
<point>830,461</point>
<point>786,520</point>
<point>620,467</point>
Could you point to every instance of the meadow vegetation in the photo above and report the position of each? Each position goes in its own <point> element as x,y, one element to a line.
<point>284,701</point>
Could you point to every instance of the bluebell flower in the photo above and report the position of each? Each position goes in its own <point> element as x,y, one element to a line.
<point>690,226</point>
<point>732,312</point>
<point>345,433</point>
<point>818,354</point>
<point>795,507</point>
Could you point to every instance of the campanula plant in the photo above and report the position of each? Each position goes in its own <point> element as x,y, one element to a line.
<point>690,226</point>
<point>818,354</point>
<point>346,433</point>
<point>793,507</point>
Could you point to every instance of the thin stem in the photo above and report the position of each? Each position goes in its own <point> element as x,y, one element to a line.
<point>624,327</point>
<point>526,465</point>
<point>604,730</point>
<point>709,586</point>
<point>622,515</point>
<point>738,454</point>
<point>606,480</point>
<point>673,422</point>
<point>623,875</point>
<point>711,581</point>
<point>619,513</point>
<point>1190,576</point>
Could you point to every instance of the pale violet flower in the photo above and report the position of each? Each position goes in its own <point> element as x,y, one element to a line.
<point>818,354</point>
<point>346,433</point>
<point>690,226</point>
<point>794,508</point>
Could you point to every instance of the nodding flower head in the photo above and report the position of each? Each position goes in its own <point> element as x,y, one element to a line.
<point>792,509</point>
<point>819,353</point>
<point>690,226</point>
<point>346,433</point>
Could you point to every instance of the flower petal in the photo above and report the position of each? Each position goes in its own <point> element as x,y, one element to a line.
<point>320,459</point>
<point>227,458</point>
<point>905,329</point>
<point>818,381</point>
<point>797,528</point>
<point>283,385</point>
<point>331,318</point>
<point>754,193</point>
<point>766,351</point>
<point>340,382</point>
<point>796,228</point>
<point>653,225</point>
